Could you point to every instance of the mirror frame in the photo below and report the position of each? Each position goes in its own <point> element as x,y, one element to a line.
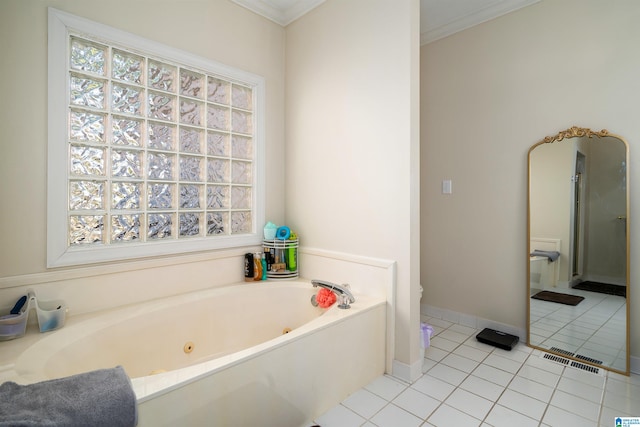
<point>576,132</point>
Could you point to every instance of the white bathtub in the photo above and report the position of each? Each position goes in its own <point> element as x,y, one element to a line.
<point>222,355</point>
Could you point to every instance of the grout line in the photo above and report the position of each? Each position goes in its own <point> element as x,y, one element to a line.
<point>604,390</point>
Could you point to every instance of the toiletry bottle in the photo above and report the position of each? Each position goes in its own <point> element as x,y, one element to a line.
<point>257,258</point>
<point>263,260</point>
<point>283,258</point>
<point>292,254</point>
<point>267,256</point>
<point>248,267</point>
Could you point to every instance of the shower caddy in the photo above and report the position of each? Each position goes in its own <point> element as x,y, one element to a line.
<point>281,250</point>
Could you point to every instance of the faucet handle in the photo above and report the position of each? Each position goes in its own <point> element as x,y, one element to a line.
<point>344,300</point>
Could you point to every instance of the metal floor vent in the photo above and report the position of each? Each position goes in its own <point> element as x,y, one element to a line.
<point>570,363</point>
<point>588,359</point>
<point>561,351</point>
<point>555,358</point>
<point>584,367</point>
<point>576,355</point>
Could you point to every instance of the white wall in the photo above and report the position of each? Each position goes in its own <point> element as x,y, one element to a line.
<point>488,94</point>
<point>215,29</point>
<point>551,166</point>
<point>352,140</point>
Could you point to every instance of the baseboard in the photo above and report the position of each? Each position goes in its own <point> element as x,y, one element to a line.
<point>472,321</point>
<point>407,373</point>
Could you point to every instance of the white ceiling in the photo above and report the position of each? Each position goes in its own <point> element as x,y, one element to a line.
<point>438,18</point>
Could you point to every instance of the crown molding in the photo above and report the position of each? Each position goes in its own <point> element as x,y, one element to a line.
<point>278,11</point>
<point>481,13</point>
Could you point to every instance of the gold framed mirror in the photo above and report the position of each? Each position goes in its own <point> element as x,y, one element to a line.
<point>578,248</point>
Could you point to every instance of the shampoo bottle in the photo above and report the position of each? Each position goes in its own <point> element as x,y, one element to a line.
<point>257,258</point>
<point>249,267</point>
<point>263,261</point>
<point>292,255</point>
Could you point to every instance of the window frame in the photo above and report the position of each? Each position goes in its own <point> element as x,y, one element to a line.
<point>62,26</point>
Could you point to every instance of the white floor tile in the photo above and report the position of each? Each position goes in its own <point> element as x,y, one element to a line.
<point>473,342</point>
<point>427,364</point>
<point>532,389</point>
<point>627,404</point>
<point>538,375</point>
<point>505,417</point>
<point>444,324</point>
<point>622,387</point>
<point>469,403</point>
<point>471,352</point>
<point>386,387</point>
<point>435,353</point>
<point>393,416</point>
<point>443,344</point>
<point>454,336</point>
<point>448,374</point>
<point>545,365</point>
<point>585,391</point>
<point>585,377</point>
<point>576,404</point>
<point>417,403</point>
<point>446,416</point>
<point>559,417</point>
<point>465,330</point>
<point>468,383</point>
<point>500,362</point>
<point>461,363</point>
<point>608,415</point>
<point>633,379</point>
<point>340,416</point>
<point>518,354</point>
<point>482,388</point>
<point>492,374</point>
<point>364,403</point>
<point>433,387</point>
<point>525,405</point>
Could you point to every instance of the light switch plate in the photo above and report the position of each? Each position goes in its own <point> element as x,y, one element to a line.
<point>446,187</point>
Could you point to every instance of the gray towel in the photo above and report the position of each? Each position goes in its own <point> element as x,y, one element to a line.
<point>97,398</point>
<point>550,255</point>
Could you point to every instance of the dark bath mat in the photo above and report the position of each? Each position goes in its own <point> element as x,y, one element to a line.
<point>602,288</point>
<point>558,297</point>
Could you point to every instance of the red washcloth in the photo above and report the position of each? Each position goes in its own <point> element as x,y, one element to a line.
<point>325,298</point>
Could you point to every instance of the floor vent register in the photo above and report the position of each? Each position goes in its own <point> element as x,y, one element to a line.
<point>571,363</point>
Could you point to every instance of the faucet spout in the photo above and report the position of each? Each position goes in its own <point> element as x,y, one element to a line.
<point>342,291</point>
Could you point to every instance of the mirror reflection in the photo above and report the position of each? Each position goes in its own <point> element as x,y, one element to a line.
<point>579,247</point>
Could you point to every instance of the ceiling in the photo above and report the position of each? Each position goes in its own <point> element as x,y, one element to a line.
<point>438,18</point>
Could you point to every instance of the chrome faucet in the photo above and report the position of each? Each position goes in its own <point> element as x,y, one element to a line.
<point>342,291</point>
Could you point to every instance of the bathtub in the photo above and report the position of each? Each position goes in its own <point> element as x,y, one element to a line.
<point>246,354</point>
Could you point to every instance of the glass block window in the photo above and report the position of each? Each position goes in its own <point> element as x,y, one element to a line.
<point>157,148</point>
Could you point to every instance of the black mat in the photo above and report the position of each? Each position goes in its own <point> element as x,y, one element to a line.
<point>602,288</point>
<point>558,297</point>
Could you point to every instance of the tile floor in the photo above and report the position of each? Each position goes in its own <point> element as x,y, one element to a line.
<point>594,328</point>
<point>467,383</point>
